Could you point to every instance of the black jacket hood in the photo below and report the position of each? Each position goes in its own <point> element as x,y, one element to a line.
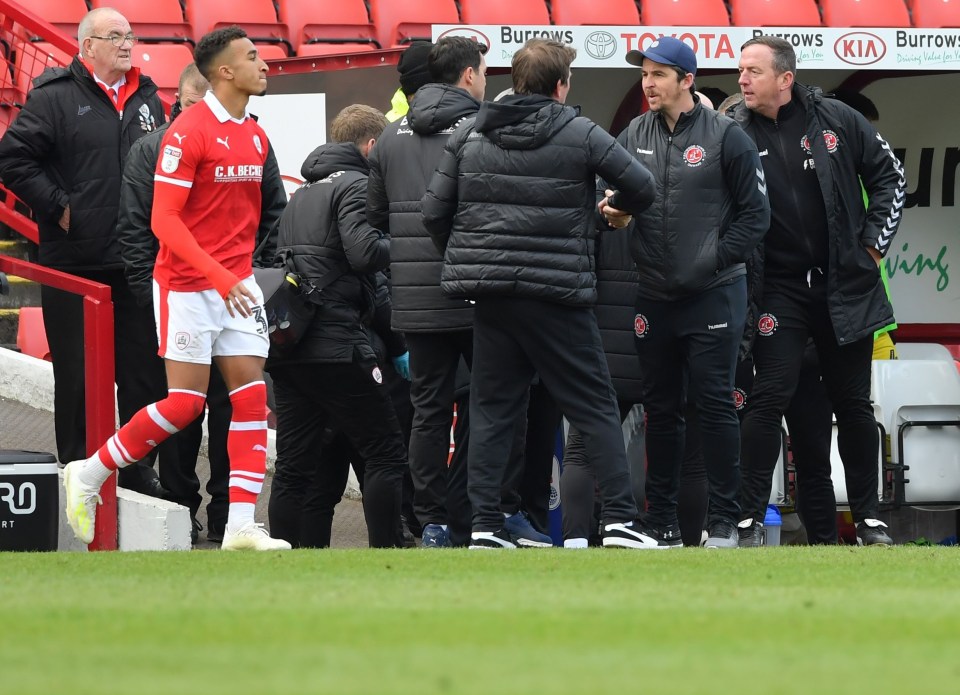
<point>331,157</point>
<point>523,122</point>
<point>437,107</point>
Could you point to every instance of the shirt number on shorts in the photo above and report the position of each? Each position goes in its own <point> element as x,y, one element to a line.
<point>261,320</point>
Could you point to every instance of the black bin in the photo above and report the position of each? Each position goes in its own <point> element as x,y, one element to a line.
<point>29,500</point>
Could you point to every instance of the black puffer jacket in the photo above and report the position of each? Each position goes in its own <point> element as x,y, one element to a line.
<point>325,229</point>
<point>68,146</point>
<point>856,297</point>
<point>513,201</point>
<point>401,164</point>
<point>138,245</point>
<point>711,209</point>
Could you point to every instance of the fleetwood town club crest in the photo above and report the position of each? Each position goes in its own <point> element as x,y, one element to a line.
<point>694,155</point>
<point>739,398</point>
<point>767,324</point>
<point>640,326</point>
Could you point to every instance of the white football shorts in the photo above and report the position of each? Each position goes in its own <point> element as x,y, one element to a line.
<point>195,326</point>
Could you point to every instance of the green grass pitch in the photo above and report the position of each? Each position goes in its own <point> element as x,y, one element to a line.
<point>817,621</point>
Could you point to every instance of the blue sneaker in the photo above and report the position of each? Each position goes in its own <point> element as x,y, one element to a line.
<point>524,534</point>
<point>434,536</point>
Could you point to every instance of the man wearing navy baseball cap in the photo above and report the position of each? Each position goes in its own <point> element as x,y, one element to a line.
<point>690,246</point>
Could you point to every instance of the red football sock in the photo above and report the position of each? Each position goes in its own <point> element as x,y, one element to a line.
<point>149,427</point>
<point>247,442</point>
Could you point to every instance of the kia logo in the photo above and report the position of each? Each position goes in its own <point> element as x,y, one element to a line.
<point>600,45</point>
<point>860,48</point>
<point>467,33</point>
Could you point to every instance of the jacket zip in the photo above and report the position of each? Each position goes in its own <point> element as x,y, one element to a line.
<point>793,189</point>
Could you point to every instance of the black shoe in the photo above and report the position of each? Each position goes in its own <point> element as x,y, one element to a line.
<point>195,528</point>
<point>406,536</point>
<point>870,532</point>
<point>751,536</point>
<point>722,534</point>
<point>146,486</point>
<point>632,534</point>
<point>491,540</point>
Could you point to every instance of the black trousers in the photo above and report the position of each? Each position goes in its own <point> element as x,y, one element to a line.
<point>140,376</point>
<point>313,523</point>
<point>434,358</point>
<point>791,315</point>
<point>181,480</point>
<point>514,339</point>
<point>527,483</point>
<point>348,399</point>
<point>693,341</point>
<point>810,422</point>
<point>577,485</point>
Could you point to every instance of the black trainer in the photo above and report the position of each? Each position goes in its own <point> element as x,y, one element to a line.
<point>722,534</point>
<point>870,532</point>
<point>632,534</point>
<point>491,540</point>
<point>751,533</point>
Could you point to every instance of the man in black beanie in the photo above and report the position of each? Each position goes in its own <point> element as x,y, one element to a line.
<point>414,73</point>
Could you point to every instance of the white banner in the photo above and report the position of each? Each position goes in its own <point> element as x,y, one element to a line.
<point>296,126</point>
<point>825,48</point>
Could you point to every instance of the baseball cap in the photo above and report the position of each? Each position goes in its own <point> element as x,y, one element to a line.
<point>669,51</point>
<point>412,67</point>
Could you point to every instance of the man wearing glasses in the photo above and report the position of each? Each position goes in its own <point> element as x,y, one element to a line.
<point>63,156</point>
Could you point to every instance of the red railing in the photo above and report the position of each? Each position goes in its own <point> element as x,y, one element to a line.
<point>98,373</point>
<point>28,45</point>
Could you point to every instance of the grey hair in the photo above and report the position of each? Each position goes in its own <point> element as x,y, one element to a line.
<point>85,29</point>
<point>784,57</point>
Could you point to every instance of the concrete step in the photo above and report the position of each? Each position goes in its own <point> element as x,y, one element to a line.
<point>9,319</point>
<point>22,293</point>
<point>17,247</point>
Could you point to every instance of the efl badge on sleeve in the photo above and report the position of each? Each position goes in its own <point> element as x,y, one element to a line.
<point>171,159</point>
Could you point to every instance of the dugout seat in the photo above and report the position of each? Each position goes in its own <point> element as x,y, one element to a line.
<point>504,12</point>
<point>31,336</point>
<point>865,13</point>
<point>65,15</point>
<point>337,27</point>
<point>163,63</point>
<point>918,402</point>
<point>774,13</point>
<point>587,12</point>
<point>257,17</point>
<point>684,13</point>
<point>399,22</point>
<point>936,14</point>
<point>156,20</point>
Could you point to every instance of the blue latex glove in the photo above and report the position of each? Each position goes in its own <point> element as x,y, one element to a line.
<point>402,365</point>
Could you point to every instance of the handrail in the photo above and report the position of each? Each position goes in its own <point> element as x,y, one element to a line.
<point>98,374</point>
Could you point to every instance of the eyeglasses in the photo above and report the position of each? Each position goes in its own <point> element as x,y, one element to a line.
<point>118,39</point>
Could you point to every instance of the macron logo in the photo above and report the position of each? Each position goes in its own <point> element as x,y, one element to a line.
<point>223,141</point>
<point>180,138</point>
<point>82,110</point>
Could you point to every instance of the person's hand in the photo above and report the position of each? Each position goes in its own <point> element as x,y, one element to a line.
<point>618,219</point>
<point>874,254</point>
<point>65,219</point>
<point>401,363</point>
<point>239,299</point>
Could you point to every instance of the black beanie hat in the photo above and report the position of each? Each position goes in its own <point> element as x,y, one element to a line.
<point>413,69</point>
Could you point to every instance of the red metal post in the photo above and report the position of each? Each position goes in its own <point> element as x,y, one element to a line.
<point>98,373</point>
<point>99,376</point>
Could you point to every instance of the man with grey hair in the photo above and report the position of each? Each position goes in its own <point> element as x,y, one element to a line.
<point>821,279</point>
<point>63,156</point>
